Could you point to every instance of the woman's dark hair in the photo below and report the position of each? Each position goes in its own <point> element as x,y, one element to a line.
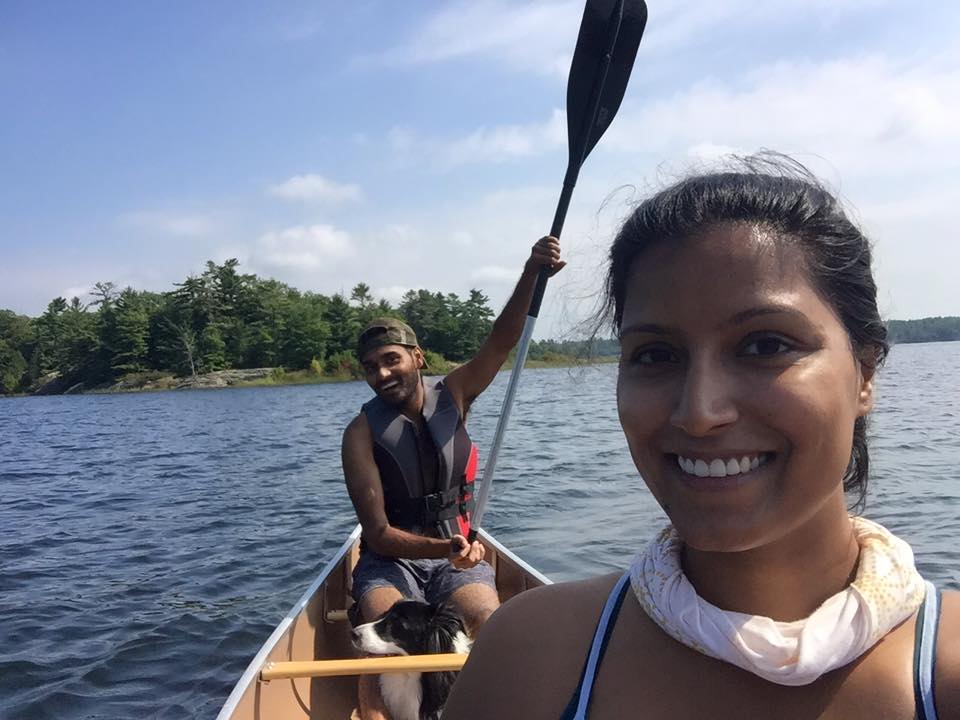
<point>773,192</point>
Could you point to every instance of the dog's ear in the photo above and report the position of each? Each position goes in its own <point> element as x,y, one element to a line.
<point>438,637</point>
<point>447,616</point>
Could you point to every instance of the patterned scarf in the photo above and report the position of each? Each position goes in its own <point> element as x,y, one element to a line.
<point>887,590</point>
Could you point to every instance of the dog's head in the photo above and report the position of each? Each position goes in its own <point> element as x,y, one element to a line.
<point>412,627</point>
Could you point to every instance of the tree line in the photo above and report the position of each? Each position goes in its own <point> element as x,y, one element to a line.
<point>225,319</point>
<point>931,329</point>
<point>220,319</point>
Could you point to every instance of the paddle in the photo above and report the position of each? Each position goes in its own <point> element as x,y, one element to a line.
<point>377,665</point>
<point>609,36</point>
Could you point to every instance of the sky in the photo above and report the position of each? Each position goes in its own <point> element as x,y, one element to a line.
<point>421,144</point>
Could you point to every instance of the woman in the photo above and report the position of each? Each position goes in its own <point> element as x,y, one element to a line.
<point>750,337</point>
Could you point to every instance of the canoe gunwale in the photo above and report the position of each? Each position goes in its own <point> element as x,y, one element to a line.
<point>252,673</point>
<point>503,551</point>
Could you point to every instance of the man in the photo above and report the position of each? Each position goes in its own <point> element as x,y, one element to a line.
<point>409,467</point>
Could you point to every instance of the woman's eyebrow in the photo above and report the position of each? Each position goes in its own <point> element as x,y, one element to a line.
<point>738,319</point>
<point>775,309</point>
<point>650,328</point>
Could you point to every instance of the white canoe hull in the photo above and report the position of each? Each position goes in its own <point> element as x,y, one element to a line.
<point>317,629</point>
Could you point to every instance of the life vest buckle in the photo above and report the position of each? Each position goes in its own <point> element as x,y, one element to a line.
<point>434,502</point>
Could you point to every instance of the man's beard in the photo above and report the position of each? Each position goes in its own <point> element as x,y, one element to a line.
<point>400,394</point>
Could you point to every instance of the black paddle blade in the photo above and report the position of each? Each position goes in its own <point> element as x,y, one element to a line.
<point>607,45</point>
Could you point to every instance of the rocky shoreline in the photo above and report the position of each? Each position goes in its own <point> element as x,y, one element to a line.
<point>156,381</point>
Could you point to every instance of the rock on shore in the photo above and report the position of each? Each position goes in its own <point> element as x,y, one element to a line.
<point>55,385</point>
<point>222,378</point>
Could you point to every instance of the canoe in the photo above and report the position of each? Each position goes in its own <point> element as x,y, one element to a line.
<point>317,629</point>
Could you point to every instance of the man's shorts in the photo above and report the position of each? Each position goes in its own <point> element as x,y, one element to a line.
<point>432,581</point>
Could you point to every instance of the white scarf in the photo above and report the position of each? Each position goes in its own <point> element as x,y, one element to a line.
<point>887,590</point>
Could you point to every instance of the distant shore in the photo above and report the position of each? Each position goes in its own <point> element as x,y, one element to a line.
<point>156,381</point>
<point>258,377</point>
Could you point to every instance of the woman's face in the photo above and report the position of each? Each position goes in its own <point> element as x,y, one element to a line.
<point>738,388</point>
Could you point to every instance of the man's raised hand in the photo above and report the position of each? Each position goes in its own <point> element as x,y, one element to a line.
<point>546,251</point>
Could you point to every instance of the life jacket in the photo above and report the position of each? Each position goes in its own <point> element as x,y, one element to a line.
<point>408,502</point>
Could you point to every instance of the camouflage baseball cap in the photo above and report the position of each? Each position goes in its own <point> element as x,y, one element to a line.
<point>385,331</point>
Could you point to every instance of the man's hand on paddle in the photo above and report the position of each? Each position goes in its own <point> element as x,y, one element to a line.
<point>547,252</point>
<point>465,555</point>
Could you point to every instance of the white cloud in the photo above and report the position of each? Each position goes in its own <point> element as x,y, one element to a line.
<point>462,238</point>
<point>539,37</point>
<point>530,37</point>
<point>400,233</point>
<point>679,24</point>
<point>314,188</point>
<point>170,223</point>
<point>78,291</point>
<point>401,138</point>
<point>391,293</point>
<point>866,113</point>
<point>884,132</point>
<point>303,247</point>
<point>495,274</point>
<point>496,144</point>
<point>707,151</point>
<point>506,142</point>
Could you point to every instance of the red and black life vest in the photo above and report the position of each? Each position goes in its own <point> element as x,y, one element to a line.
<point>418,497</point>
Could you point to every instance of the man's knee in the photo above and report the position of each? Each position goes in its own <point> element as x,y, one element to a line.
<point>377,601</point>
<point>476,603</point>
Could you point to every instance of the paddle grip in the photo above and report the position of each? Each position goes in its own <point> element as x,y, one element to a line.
<point>471,536</point>
<point>569,182</point>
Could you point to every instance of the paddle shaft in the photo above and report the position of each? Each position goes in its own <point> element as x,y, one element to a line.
<point>578,151</point>
<point>363,666</point>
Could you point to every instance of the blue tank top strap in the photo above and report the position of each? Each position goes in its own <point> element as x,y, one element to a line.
<point>577,707</point>
<point>925,654</point>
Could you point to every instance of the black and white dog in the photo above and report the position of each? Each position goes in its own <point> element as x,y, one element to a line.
<point>412,627</point>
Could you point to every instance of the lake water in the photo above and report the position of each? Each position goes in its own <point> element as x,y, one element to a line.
<point>150,543</point>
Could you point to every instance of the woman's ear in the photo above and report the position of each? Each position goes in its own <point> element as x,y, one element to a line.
<point>868,370</point>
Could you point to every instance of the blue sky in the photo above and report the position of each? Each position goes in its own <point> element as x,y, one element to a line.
<point>422,144</point>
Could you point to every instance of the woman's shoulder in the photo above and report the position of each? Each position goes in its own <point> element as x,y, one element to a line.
<point>528,657</point>
<point>542,607</point>
<point>542,612</point>
<point>543,603</point>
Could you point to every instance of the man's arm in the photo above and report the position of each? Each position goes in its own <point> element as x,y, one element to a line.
<point>366,492</point>
<point>472,378</point>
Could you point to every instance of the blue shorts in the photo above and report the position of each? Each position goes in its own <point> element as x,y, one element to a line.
<point>432,581</point>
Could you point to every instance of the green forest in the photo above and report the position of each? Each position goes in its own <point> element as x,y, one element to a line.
<point>931,329</point>
<point>225,319</point>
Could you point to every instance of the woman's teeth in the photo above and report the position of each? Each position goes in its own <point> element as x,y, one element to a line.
<point>721,468</point>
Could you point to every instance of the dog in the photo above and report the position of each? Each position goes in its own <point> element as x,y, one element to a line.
<point>412,627</point>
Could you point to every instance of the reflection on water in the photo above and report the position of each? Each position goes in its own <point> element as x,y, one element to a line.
<point>151,542</point>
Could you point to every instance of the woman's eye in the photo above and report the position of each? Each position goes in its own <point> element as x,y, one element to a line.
<point>766,347</point>
<point>652,356</point>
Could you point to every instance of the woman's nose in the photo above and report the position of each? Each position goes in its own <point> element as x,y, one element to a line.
<point>706,402</point>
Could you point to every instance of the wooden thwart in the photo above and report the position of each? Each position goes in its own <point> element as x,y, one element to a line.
<point>363,666</point>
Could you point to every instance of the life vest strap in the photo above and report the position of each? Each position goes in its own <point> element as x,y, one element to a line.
<point>440,506</point>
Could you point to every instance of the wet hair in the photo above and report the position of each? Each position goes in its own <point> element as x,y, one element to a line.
<point>775,193</point>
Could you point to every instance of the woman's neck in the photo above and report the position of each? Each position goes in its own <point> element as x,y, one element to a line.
<point>785,580</point>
